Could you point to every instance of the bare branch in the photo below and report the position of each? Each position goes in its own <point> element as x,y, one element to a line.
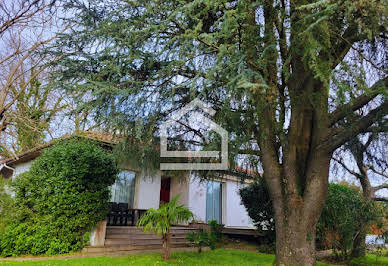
<point>379,187</point>
<point>370,167</point>
<point>347,168</point>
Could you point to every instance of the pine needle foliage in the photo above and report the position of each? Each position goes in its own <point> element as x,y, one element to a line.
<point>288,80</point>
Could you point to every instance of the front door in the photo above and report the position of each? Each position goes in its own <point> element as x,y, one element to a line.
<point>165,190</point>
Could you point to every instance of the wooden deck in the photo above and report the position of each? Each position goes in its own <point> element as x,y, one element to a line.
<point>131,238</point>
<point>229,230</point>
<point>241,231</point>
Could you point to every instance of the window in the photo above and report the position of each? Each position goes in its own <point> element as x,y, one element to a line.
<point>123,190</point>
<point>213,201</point>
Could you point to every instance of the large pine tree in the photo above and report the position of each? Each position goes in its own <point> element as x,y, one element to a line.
<point>285,78</point>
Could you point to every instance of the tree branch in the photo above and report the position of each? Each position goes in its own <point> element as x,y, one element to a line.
<point>384,199</point>
<point>250,152</point>
<point>379,187</point>
<point>358,126</point>
<point>347,168</point>
<point>370,167</point>
<point>358,103</point>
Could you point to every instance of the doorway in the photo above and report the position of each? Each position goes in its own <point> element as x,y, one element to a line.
<point>165,190</point>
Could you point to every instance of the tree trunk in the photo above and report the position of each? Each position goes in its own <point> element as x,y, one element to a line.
<point>295,245</point>
<point>166,246</point>
<point>297,214</point>
<point>359,245</point>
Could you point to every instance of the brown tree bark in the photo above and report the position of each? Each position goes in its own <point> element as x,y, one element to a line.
<point>359,245</point>
<point>298,181</point>
<point>296,217</point>
<point>166,246</point>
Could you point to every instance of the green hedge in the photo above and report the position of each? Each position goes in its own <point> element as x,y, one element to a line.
<point>344,213</point>
<point>60,199</point>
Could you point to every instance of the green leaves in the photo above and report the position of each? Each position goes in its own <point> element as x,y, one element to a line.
<point>61,198</point>
<point>160,220</point>
<point>258,204</point>
<point>343,216</point>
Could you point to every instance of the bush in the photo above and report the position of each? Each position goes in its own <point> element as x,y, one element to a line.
<point>60,199</point>
<point>267,248</point>
<point>343,216</point>
<point>344,213</point>
<point>258,204</point>
<point>201,239</point>
<point>6,204</point>
<point>206,238</point>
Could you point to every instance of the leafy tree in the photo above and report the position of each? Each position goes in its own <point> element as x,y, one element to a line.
<point>343,217</point>
<point>162,219</point>
<point>60,199</point>
<point>368,164</point>
<point>285,78</point>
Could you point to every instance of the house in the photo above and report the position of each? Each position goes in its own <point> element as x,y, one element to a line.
<point>209,200</point>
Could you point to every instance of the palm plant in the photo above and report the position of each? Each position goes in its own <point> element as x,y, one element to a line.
<point>162,219</point>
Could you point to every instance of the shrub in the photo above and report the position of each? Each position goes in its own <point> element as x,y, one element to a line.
<point>206,238</point>
<point>200,239</point>
<point>7,210</point>
<point>258,204</point>
<point>61,198</point>
<point>267,248</point>
<point>343,215</point>
<point>342,218</point>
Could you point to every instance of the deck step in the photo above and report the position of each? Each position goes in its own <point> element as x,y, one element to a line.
<point>136,242</point>
<point>115,248</point>
<point>136,231</point>
<point>131,238</point>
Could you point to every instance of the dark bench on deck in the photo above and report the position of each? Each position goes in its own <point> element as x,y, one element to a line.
<point>121,215</point>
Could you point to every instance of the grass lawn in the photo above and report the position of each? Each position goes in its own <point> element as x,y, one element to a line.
<point>370,259</point>
<point>216,257</point>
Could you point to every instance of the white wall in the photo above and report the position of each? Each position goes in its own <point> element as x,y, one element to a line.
<point>233,212</point>
<point>180,185</point>
<point>21,168</point>
<point>147,191</point>
<point>197,198</point>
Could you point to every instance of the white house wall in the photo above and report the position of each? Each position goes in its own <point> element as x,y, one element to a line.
<point>147,191</point>
<point>234,213</point>
<point>197,198</point>
<point>180,185</point>
<point>21,168</point>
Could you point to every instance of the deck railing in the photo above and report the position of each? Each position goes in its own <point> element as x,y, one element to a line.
<point>121,215</point>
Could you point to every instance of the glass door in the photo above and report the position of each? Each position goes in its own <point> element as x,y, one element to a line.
<point>123,190</point>
<point>213,201</point>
